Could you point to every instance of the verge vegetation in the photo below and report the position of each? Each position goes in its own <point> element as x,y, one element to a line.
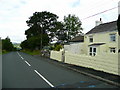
<point>34,52</point>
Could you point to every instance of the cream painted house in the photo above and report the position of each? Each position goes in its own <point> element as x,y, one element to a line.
<point>102,39</point>
<point>99,50</point>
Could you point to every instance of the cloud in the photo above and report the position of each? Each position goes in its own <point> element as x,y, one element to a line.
<point>14,13</point>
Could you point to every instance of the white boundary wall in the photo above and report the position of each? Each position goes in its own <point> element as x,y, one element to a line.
<point>56,55</point>
<point>106,62</point>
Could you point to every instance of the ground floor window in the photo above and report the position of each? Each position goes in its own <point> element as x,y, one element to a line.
<point>92,51</point>
<point>112,50</point>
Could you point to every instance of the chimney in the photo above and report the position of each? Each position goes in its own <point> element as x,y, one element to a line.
<point>98,22</point>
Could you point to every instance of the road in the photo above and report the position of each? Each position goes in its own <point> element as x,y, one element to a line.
<point>21,70</point>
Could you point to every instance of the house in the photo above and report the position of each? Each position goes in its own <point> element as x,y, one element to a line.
<point>102,39</point>
<point>98,49</point>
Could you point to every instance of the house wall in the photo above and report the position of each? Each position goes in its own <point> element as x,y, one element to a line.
<point>119,51</point>
<point>75,48</point>
<point>102,37</point>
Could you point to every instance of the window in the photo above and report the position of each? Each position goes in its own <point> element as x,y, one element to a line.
<point>113,37</point>
<point>92,51</point>
<point>90,39</point>
<point>112,50</point>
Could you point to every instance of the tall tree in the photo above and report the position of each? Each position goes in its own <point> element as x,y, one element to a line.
<point>41,24</point>
<point>59,31</point>
<point>72,25</point>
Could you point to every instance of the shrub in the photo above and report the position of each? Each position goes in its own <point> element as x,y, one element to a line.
<point>58,47</point>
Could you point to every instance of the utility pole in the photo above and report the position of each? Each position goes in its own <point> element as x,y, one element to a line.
<point>41,36</point>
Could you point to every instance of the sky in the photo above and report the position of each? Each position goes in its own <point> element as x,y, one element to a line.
<point>15,13</point>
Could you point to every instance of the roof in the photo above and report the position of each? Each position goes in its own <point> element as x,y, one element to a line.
<point>110,26</point>
<point>96,44</point>
<point>78,39</point>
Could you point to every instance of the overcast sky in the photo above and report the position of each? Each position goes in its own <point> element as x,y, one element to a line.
<point>14,13</point>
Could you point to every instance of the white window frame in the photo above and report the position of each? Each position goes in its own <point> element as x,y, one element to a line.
<point>92,52</point>
<point>112,37</point>
<point>112,50</point>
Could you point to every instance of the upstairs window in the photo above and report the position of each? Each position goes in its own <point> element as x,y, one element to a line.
<point>91,39</point>
<point>112,37</point>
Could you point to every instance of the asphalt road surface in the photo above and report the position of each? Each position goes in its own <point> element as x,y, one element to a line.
<point>21,70</point>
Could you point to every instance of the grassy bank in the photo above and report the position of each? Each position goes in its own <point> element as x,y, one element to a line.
<point>34,52</point>
<point>4,52</point>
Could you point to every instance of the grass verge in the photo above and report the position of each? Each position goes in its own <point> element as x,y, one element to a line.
<point>34,52</point>
<point>4,52</point>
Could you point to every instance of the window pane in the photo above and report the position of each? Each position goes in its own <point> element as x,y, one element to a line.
<point>90,49</point>
<point>94,49</point>
<point>94,54</point>
<point>91,39</point>
<point>112,50</point>
<point>90,54</point>
<point>112,37</point>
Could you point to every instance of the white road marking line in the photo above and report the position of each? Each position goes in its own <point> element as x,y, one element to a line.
<point>27,63</point>
<point>44,78</point>
<point>20,56</point>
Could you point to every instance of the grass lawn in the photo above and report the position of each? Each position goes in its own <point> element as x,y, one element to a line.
<point>34,52</point>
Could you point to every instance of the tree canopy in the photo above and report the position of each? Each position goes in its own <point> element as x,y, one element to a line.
<point>7,44</point>
<point>72,25</point>
<point>43,27</point>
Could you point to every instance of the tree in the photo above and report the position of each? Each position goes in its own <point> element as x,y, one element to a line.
<point>41,22</point>
<point>40,25</point>
<point>58,32</point>
<point>24,44</point>
<point>72,25</point>
<point>7,44</point>
<point>118,24</point>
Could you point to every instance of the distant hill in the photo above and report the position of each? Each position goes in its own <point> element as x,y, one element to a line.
<point>17,45</point>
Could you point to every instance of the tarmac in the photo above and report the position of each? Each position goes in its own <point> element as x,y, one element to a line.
<point>103,76</point>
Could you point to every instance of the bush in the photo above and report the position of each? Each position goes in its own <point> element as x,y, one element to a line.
<point>58,47</point>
